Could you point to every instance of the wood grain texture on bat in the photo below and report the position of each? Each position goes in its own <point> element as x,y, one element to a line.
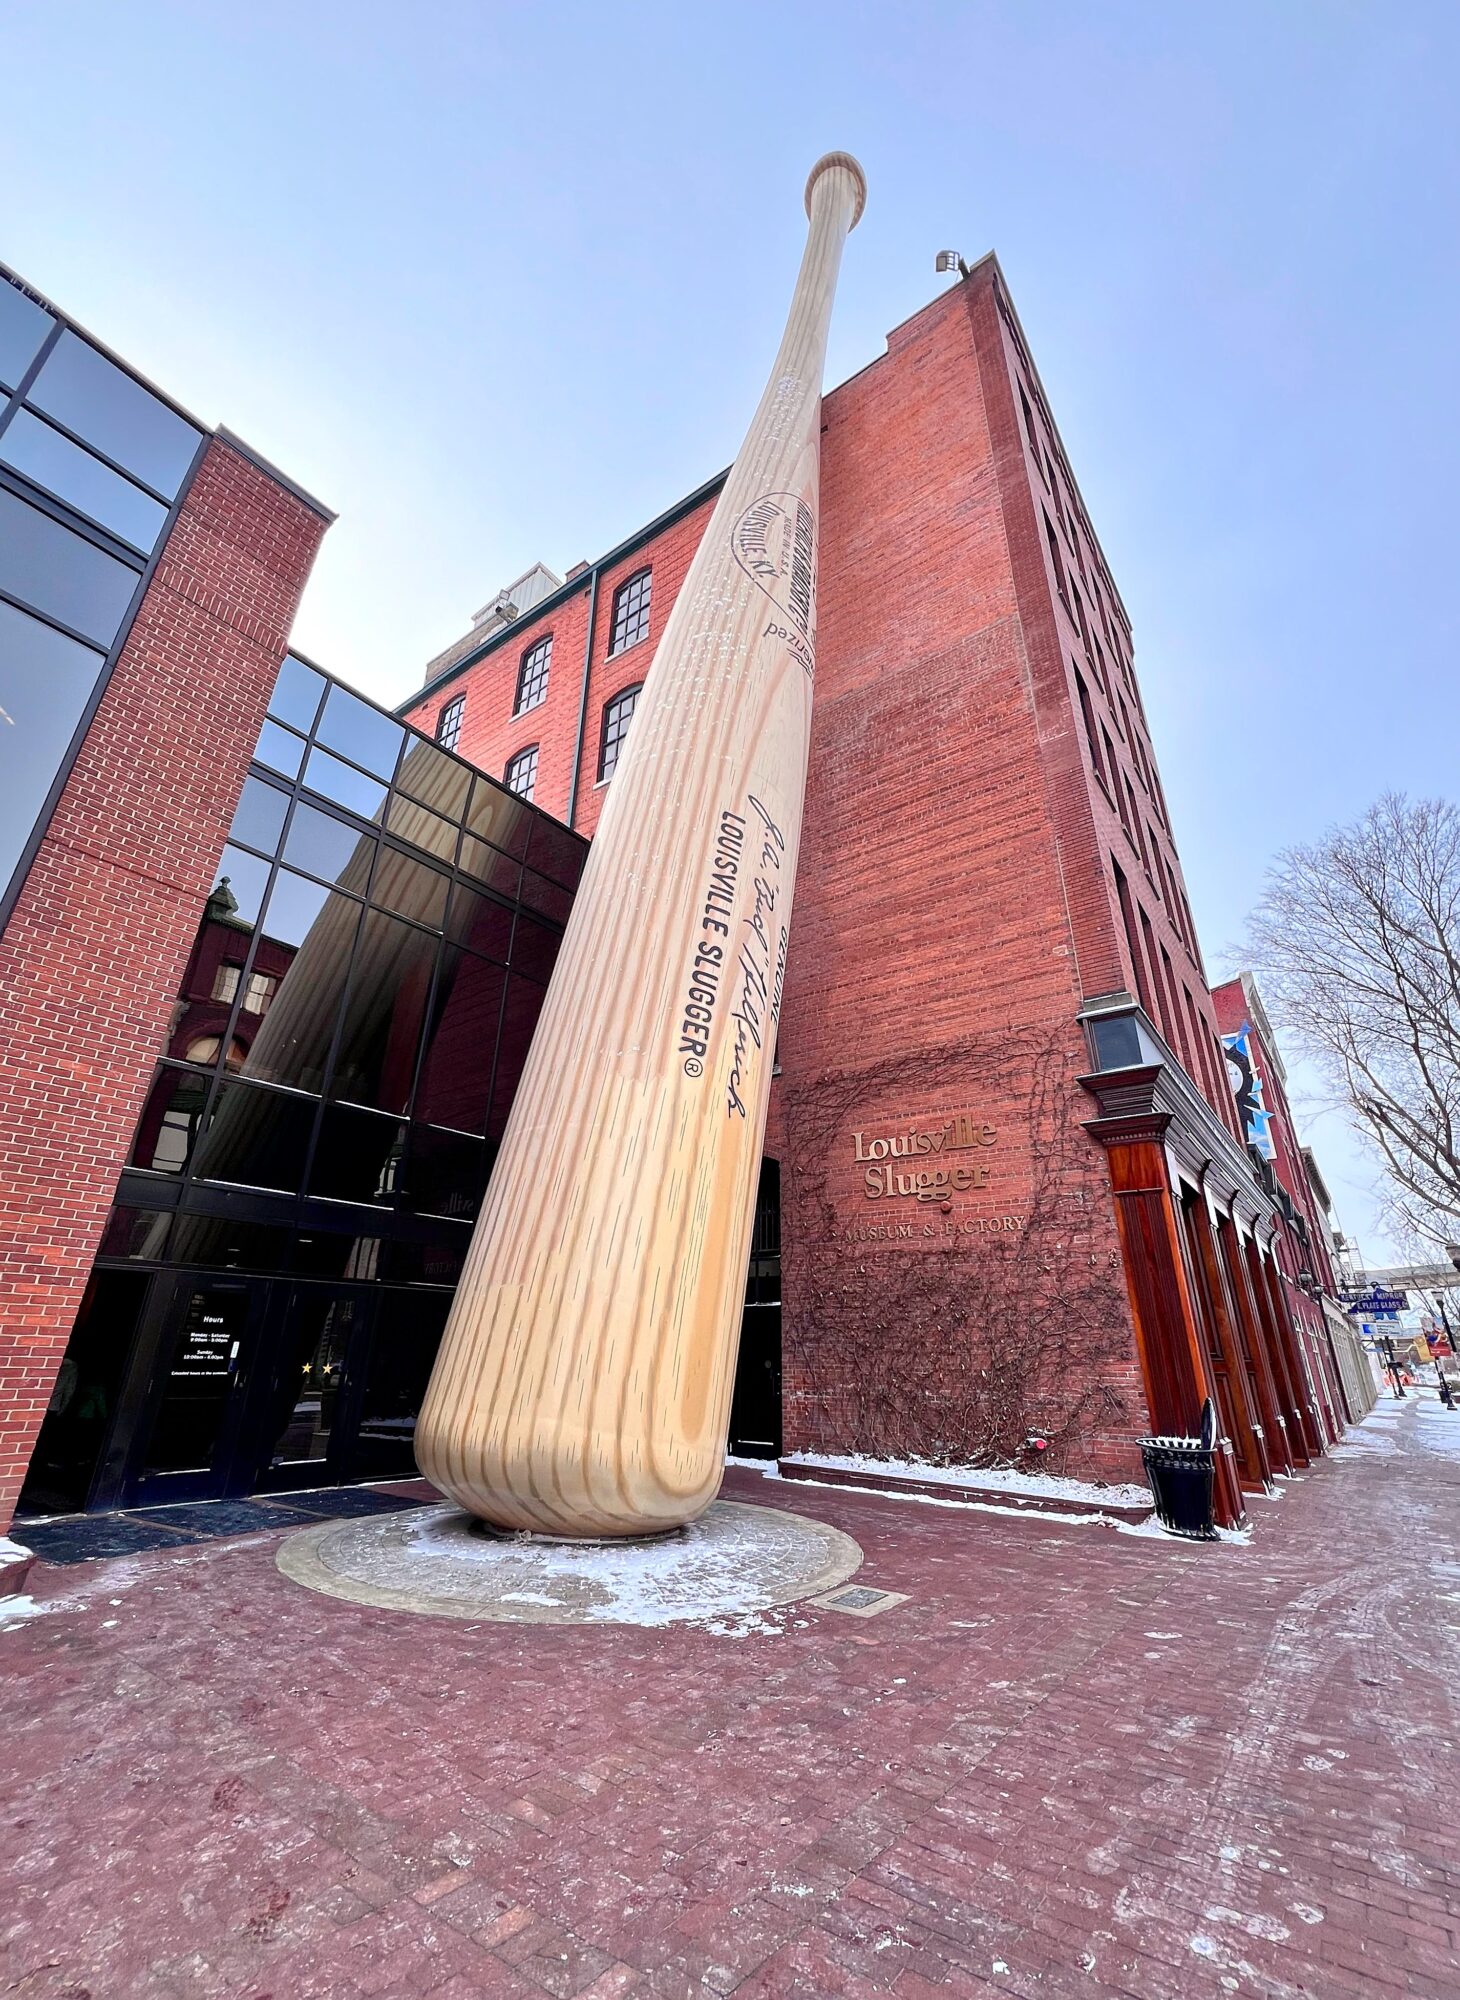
<point>584,1380</point>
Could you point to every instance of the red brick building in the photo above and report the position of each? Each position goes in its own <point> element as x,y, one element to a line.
<point>992,942</point>
<point>1341,1384</point>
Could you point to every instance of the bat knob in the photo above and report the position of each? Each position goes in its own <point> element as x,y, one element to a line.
<point>851,166</point>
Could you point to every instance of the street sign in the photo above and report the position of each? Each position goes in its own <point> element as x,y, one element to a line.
<point>1377,1302</point>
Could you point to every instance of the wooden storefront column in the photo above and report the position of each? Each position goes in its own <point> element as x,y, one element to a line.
<point>1286,1338</point>
<point>1168,1335</point>
<point>1247,1431</point>
<point>1254,1341</point>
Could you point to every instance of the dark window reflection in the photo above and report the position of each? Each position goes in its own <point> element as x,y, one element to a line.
<point>205,1361</point>
<point>534,948</point>
<point>456,1070</point>
<point>242,880</point>
<point>255,1138</point>
<point>481,922</point>
<point>408,1332</point>
<point>448,1172</point>
<point>323,1252</point>
<point>498,817</point>
<point>23,326</point>
<point>136,1232</point>
<point>389,989</point>
<point>34,448</point>
<point>358,1157</point>
<point>434,779</point>
<point>297,694</point>
<point>411,888</point>
<point>406,1262</point>
<point>555,852</point>
<point>84,1395</point>
<point>313,1360</point>
<point>295,904</point>
<point>423,828</point>
<point>548,897</point>
<point>59,573</point>
<point>93,397</point>
<point>227,1244</point>
<point>360,732</point>
<point>499,871</point>
<point>171,1120</point>
<point>519,1018</point>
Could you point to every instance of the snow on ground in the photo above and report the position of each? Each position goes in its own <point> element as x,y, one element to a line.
<point>999,1478</point>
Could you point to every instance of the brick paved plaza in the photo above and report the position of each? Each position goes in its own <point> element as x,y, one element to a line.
<point>1073,1762</point>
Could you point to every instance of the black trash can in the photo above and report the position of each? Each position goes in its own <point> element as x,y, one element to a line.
<point>1182,1471</point>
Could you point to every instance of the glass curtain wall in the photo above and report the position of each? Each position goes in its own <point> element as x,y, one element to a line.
<point>347,1037</point>
<point>91,464</point>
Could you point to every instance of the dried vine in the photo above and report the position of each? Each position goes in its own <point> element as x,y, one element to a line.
<point>949,1347</point>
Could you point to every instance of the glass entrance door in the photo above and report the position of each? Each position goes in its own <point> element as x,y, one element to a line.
<point>302,1420</point>
<point>207,1349</point>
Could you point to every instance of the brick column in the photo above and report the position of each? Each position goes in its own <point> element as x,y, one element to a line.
<point>91,958</point>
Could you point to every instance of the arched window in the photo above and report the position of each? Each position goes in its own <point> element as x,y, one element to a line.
<point>532,676</point>
<point>630,612</point>
<point>448,722</point>
<point>617,715</point>
<point>520,775</point>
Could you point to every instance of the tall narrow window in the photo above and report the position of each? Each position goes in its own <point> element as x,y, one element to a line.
<point>448,722</point>
<point>1087,715</point>
<point>520,775</point>
<point>1132,944</point>
<point>1029,430</point>
<point>532,676</point>
<point>630,613</point>
<point>1058,560</point>
<point>617,715</point>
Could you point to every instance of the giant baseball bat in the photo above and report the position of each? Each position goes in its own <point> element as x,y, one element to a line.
<point>584,1380</point>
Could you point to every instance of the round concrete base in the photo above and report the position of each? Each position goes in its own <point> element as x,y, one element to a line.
<point>734,1560</point>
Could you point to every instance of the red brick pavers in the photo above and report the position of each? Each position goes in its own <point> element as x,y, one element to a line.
<point>1075,1762</point>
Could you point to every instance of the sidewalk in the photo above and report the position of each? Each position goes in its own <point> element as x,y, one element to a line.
<point>1073,1762</point>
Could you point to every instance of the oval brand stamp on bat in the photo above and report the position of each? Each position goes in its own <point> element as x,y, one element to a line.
<point>774,542</point>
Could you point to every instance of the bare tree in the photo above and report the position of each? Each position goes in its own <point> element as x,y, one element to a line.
<point>1357,939</point>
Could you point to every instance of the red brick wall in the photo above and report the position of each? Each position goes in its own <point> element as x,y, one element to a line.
<point>92,956</point>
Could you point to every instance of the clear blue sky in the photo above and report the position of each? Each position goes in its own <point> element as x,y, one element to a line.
<point>501,282</point>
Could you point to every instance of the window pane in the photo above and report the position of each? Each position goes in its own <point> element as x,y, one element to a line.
<point>389,988</point>
<point>448,723</point>
<point>245,878</point>
<point>313,1357</point>
<point>360,732</point>
<point>60,574</point>
<point>326,846</point>
<point>45,683</point>
<point>407,1334</point>
<point>280,749</point>
<point>520,775</point>
<point>291,1043</point>
<point>519,1018</point>
<point>135,1232</point>
<point>23,326</point>
<point>92,397</point>
<point>200,1381</point>
<point>423,828</point>
<point>343,783</point>
<point>168,1127</point>
<point>540,894</point>
<point>555,852</point>
<point>433,778</point>
<point>490,865</point>
<point>294,905</point>
<point>224,1244</point>
<point>534,948</point>
<point>255,1138</point>
<point>74,476</point>
<point>431,1263</point>
<point>532,676</point>
<point>358,1157</point>
<point>259,820</point>
<point>498,817</point>
<point>480,922</point>
<point>410,888</point>
<point>297,694</point>
<point>448,1173</point>
<point>456,1073</point>
<point>330,1253</point>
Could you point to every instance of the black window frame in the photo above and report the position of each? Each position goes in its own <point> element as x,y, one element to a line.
<point>448,722</point>
<point>632,602</point>
<point>612,720</point>
<point>517,762</point>
<point>532,675</point>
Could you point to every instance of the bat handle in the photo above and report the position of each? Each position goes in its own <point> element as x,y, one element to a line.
<point>830,163</point>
